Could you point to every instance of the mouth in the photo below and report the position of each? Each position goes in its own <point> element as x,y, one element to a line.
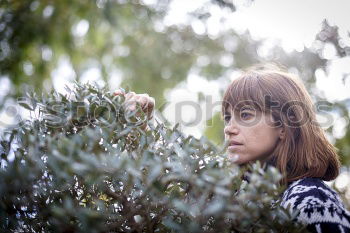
<point>234,143</point>
<point>234,146</point>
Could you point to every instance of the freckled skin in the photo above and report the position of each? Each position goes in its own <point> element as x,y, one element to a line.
<point>255,131</point>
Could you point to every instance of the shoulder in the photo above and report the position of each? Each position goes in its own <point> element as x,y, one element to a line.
<point>319,205</point>
<point>309,189</point>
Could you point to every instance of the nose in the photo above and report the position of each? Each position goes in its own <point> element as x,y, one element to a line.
<point>231,128</point>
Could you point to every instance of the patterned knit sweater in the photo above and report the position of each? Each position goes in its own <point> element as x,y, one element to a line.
<point>320,207</point>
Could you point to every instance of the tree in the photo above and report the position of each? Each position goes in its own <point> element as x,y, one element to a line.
<point>83,164</point>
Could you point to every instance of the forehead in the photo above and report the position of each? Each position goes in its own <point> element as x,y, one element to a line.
<point>243,93</point>
<point>240,107</point>
<point>238,103</point>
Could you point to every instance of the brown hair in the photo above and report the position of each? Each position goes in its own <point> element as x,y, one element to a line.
<point>304,151</point>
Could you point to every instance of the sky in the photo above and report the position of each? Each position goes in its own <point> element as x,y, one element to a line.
<point>287,20</point>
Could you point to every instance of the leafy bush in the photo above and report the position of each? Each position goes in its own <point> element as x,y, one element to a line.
<point>83,164</point>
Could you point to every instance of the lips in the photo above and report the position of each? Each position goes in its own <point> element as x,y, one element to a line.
<point>234,146</point>
<point>234,143</point>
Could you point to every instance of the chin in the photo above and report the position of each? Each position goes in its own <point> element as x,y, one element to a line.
<point>239,160</point>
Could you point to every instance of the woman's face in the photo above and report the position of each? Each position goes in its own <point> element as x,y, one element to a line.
<point>251,135</point>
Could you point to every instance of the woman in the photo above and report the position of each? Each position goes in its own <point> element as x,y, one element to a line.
<point>269,117</point>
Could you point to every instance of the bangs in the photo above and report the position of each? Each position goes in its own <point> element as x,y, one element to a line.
<point>244,92</point>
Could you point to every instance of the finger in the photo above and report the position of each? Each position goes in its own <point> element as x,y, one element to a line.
<point>119,92</point>
<point>143,100</point>
<point>147,100</point>
<point>147,105</point>
<point>151,102</point>
<point>130,102</point>
<point>129,95</point>
<point>140,99</point>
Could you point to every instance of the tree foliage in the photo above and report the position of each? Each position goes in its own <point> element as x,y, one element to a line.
<point>83,164</point>
<point>129,41</point>
<point>121,36</point>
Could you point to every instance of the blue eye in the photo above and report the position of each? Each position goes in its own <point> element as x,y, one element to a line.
<point>245,115</point>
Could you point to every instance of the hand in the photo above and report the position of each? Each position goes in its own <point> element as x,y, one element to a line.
<point>146,102</point>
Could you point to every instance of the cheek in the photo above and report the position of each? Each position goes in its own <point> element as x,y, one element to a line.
<point>261,140</point>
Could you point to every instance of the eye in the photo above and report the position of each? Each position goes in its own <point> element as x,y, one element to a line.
<point>246,115</point>
<point>227,118</point>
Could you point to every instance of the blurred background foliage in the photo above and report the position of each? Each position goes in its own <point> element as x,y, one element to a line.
<point>128,44</point>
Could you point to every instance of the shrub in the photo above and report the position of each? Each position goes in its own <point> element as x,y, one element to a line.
<point>81,163</point>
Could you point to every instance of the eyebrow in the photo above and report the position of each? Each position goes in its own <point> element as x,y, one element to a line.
<point>247,108</point>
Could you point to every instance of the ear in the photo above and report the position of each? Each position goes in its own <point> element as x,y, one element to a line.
<point>281,133</point>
